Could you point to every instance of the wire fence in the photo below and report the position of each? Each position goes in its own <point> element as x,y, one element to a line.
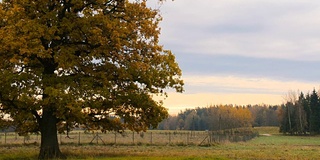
<point>132,138</point>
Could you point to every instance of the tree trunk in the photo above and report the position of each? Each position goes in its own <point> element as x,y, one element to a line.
<point>49,148</point>
<point>289,119</point>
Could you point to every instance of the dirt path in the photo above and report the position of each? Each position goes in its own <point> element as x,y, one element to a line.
<point>265,135</point>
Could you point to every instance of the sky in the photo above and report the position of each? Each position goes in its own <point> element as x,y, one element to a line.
<point>241,52</point>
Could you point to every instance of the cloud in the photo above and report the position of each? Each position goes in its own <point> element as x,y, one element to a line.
<point>233,84</point>
<point>226,65</point>
<point>242,52</point>
<point>264,29</point>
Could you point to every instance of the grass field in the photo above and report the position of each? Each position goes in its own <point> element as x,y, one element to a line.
<point>270,146</point>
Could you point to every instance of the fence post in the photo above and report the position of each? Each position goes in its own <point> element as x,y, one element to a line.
<point>151,138</point>
<point>60,139</point>
<point>188,134</point>
<point>97,137</point>
<point>5,137</point>
<point>79,139</point>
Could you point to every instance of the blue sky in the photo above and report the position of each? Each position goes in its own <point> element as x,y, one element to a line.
<point>241,52</point>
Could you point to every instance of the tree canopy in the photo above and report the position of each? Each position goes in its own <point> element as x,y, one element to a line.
<point>94,63</point>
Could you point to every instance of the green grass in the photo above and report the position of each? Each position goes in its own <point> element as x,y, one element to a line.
<point>267,130</point>
<point>16,152</point>
<point>276,146</point>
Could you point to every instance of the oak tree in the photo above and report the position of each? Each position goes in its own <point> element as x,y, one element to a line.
<point>94,63</point>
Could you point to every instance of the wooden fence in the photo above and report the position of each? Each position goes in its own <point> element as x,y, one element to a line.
<point>157,137</point>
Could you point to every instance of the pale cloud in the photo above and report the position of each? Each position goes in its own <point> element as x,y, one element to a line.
<point>229,84</point>
<point>265,28</point>
<point>264,46</point>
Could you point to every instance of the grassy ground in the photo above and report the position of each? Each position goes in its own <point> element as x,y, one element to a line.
<point>273,146</point>
<point>267,130</point>
<point>158,137</point>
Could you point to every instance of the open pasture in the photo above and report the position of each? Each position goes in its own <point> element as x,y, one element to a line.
<point>270,146</point>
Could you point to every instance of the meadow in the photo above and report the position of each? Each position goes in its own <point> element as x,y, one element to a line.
<point>269,145</point>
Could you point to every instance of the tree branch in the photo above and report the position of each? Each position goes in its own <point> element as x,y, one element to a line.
<point>35,113</point>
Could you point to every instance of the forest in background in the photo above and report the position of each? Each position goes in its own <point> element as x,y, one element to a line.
<point>299,115</point>
<point>221,117</point>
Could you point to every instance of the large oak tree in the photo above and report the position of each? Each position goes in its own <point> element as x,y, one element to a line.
<point>94,63</point>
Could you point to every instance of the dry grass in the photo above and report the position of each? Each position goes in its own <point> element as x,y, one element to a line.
<point>276,146</point>
<point>267,130</point>
<point>154,137</point>
<point>273,147</point>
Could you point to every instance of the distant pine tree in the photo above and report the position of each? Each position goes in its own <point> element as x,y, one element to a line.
<point>315,113</point>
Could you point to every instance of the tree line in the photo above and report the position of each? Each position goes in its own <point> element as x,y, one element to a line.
<point>221,117</point>
<point>300,114</point>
